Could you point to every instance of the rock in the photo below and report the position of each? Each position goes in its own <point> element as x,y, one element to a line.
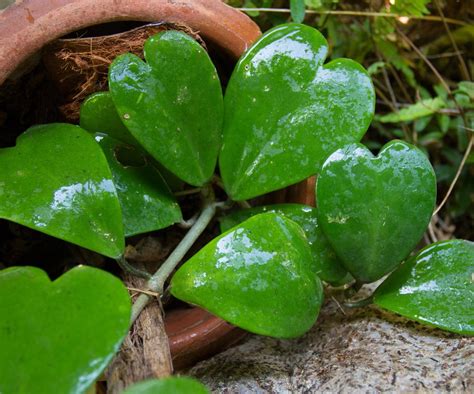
<point>365,350</point>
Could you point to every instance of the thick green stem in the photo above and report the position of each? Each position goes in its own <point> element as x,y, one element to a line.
<point>157,281</point>
<point>139,304</point>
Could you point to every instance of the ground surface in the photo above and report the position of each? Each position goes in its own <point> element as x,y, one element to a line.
<point>366,350</point>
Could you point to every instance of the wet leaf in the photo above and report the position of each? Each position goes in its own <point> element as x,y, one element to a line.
<point>325,261</point>
<point>285,112</point>
<point>146,201</point>
<point>173,385</point>
<point>435,287</point>
<point>172,104</point>
<point>258,276</point>
<point>58,337</point>
<point>57,181</point>
<point>99,115</point>
<point>374,210</point>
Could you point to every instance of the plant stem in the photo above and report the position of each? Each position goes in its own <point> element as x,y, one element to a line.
<point>187,192</point>
<point>360,303</point>
<point>127,267</point>
<point>139,304</point>
<point>244,204</point>
<point>351,292</point>
<point>188,223</point>
<point>157,281</point>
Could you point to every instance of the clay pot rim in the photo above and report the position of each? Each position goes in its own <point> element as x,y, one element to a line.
<point>28,25</point>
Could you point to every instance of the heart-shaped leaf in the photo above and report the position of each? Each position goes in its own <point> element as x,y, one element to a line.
<point>286,112</point>
<point>325,261</point>
<point>374,210</point>
<point>172,104</point>
<point>435,287</point>
<point>57,337</point>
<point>57,181</point>
<point>99,115</point>
<point>146,201</point>
<point>258,276</point>
<point>173,385</point>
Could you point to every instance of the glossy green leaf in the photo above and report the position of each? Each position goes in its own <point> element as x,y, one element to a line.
<point>286,112</point>
<point>435,287</point>
<point>99,115</point>
<point>374,210</point>
<point>172,104</point>
<point>56,180</point>
<point>58,337</point>
<point>325,262</point>
<point>146,201</point>
<point>173,385</point>
<point>258,276</point>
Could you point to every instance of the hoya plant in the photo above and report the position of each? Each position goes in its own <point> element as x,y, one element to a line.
<point>164,129</point>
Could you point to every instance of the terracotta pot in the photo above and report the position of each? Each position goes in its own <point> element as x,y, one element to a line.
<point>27,26</point>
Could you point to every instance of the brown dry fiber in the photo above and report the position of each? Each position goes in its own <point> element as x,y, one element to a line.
<point>79,66</point>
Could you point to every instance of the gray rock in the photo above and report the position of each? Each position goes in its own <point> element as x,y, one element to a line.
<point>364,350</point>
